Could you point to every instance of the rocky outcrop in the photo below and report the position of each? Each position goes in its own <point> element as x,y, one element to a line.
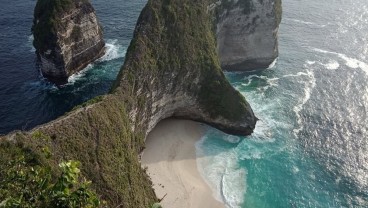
<point>67,37</point>
<point>171,69</point>
<point>247,33</point>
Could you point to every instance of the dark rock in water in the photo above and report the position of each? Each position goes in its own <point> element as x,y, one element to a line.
<point>67,37</point>
<point>247,33</point>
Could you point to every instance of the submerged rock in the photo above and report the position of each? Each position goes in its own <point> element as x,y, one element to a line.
<point>247,33</point>
<point>67,37</point>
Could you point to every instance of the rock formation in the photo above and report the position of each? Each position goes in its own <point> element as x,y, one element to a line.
<point>247,33</point>
<point>171,69</point>
<point>67,37</point>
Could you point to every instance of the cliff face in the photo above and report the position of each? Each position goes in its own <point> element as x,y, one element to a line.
<point>171,70</point>
<point>67,37</point>
<point>247,33</point>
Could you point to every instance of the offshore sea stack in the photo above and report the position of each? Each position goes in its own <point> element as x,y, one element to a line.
<point>247,33</point>
<point>67,37</point>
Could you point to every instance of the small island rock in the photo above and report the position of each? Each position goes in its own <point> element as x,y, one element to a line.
<point>67,37</point>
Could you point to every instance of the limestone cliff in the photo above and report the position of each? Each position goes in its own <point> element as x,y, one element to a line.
<point>171,70</point>
<point>67,37</point>
<point>247,33</point>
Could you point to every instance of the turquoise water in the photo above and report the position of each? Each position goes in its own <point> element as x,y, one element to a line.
<point>310,146</point>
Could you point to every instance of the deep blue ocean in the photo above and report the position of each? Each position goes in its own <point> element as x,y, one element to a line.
<point>310,147</point>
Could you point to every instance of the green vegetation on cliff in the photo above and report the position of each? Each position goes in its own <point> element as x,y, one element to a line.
<point>278,10</point>
<point>26,183</point>
<point>182,43</point>
<point>98,136</point>
<point>47,14</point>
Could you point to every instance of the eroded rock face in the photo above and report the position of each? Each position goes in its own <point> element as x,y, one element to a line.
<point>172,70</point>
<point>67,37</point>
<point>247,33</point>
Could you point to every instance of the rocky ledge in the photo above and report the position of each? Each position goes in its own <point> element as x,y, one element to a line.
<point>171,69</point>
<point>67,37</point>
<point>247,33</point>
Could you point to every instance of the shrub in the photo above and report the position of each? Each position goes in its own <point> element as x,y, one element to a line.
<point>156,205</point>
<point>26,186</point>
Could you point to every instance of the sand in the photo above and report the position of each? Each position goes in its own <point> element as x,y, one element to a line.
<point>171,161</point>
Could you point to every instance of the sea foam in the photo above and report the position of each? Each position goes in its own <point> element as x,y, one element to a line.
<point>113,51</point>
<point>305,22</point>
<point>332,65</point>
<point>309,86</point>
<point>30,44</point>
<point>218,166</point>
<point>273,64</point>
<point>350,62</point>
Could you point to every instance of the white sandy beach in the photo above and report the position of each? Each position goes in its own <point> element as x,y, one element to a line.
<point>171,160</point>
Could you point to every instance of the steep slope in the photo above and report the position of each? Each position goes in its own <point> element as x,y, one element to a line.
<point>247,33</point>
<point>67,37</point>
<point>171,70</point>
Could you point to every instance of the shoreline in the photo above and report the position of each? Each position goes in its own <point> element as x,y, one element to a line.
<point>170,158</point>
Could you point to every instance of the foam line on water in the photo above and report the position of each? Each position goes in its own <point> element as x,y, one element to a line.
<point>222,174</point>
<point>296,75</point>
<point>273,64</point>
<point>79,75</point>
<point>233,187</point>
<point>30,44</point>
<point>309,86</point>
<point>350,62</point>
<point>332,65</point>
<point>310,62</point>
<point>113,51</point>
<point>305,22</point>
<point>268,79</point>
